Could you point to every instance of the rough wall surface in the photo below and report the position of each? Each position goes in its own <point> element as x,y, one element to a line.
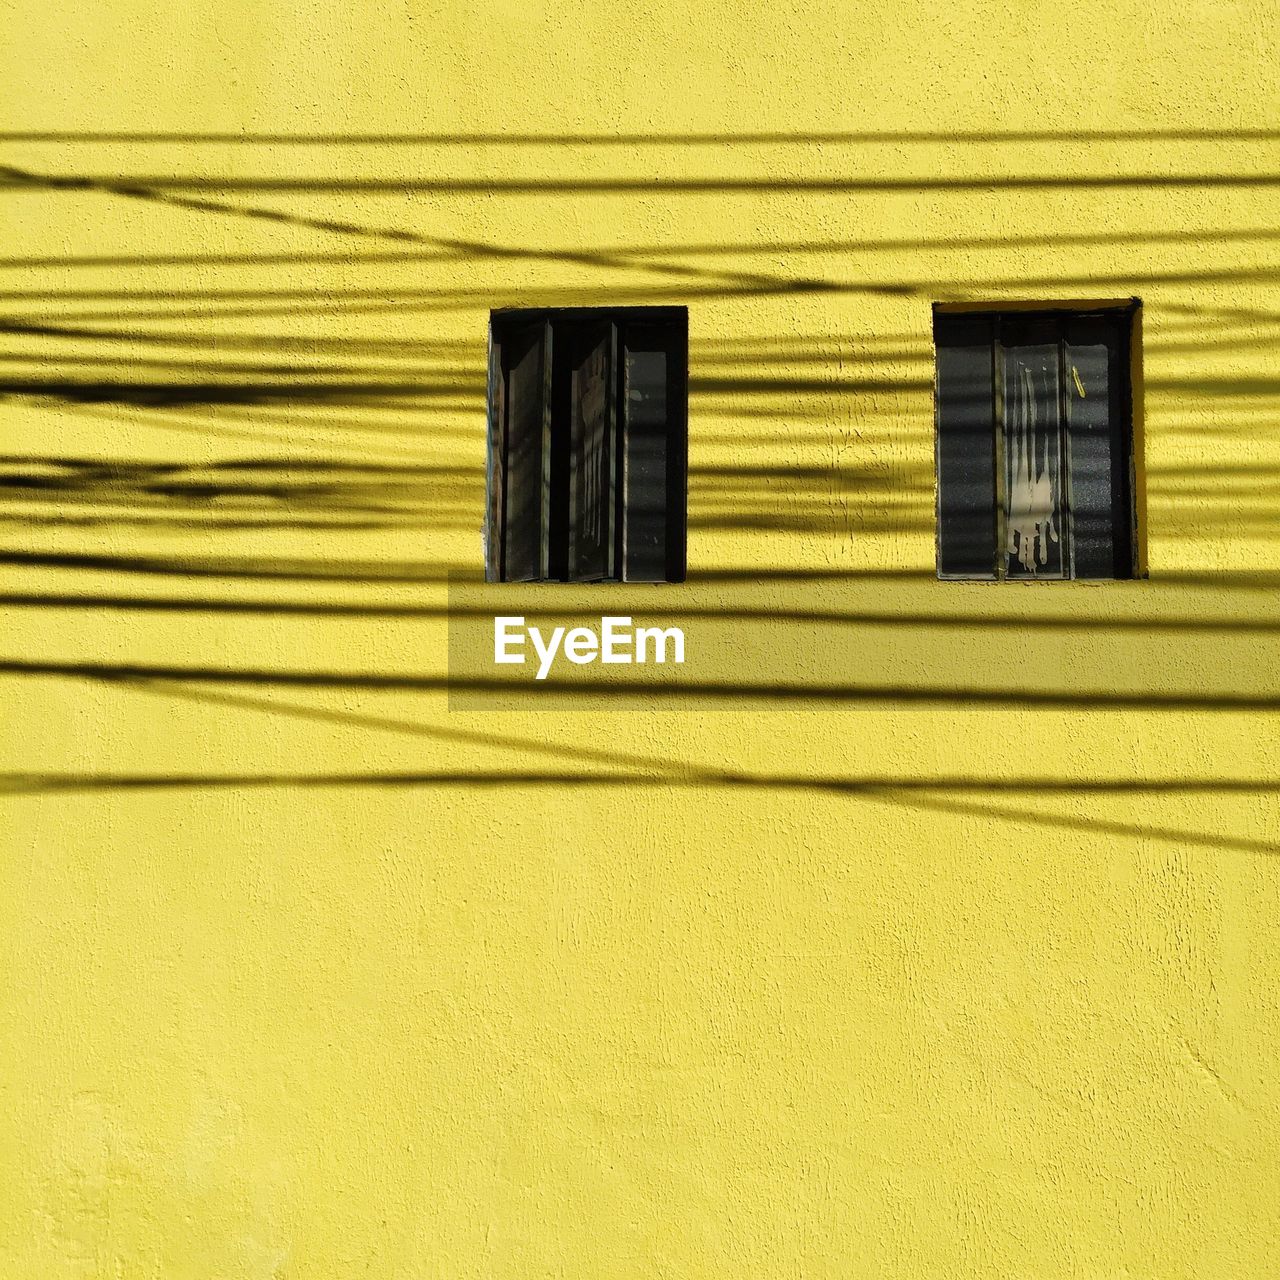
<point>306,975</point>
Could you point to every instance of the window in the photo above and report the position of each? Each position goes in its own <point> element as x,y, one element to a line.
<point>588,441</point>
<point>1035,443</point>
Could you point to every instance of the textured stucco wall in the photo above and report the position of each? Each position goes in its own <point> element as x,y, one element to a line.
<point>306,975</point>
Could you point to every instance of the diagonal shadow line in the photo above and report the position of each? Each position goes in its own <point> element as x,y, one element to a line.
<point>738,281</point>
<point>914,792</point>
<point>145,261</point>
<point>640,294</point>
<point>484,300</point>
<point>898,788</point>
<point>259,304</point>
<point>1092,825</point>
<point>167,184</point>
<point>746,282</point>
<point>465,250</point>
<point>684,769</point>
<point>390,724</point>
<point>890,792</point>
<point>22,177</point>
<point>444,249</point>
<point>918,244</point>
<point>478,300</point>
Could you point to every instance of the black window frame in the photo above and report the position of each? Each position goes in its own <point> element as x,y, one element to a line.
<point>587,453</point>
<point>1097,541</point>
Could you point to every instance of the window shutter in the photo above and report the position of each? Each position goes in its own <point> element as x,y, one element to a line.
<point>494,481</point>
<point>966,446</point>
<point>524,358</point>
<point>654,477</point>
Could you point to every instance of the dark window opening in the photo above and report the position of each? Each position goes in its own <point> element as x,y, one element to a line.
<point>588,445</point>
<point>1035,443</point>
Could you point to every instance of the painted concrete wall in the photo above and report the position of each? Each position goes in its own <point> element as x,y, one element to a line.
<point>960,961</point>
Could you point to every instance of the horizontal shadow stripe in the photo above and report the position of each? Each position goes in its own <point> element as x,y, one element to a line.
<point>677,777</point>
<point>675,691</point>
<point>758,137</point>
<point>936,793</point>
<point>892,792</point>
<point>805,617</point>
<point>626,253</point>
<point>143,184</point>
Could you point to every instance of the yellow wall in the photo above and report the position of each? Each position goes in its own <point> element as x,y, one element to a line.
<point>306,975</point>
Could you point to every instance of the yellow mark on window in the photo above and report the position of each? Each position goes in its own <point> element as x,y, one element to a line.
<point>1075,375</point>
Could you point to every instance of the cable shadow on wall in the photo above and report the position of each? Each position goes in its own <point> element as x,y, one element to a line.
<point>984,798</point>
<point>407,394</point>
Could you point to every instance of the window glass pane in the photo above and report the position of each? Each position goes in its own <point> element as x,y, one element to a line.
<point>966,447</point>
<point>587,468</point>
<point>1097,450</point>
<point>1034,495</point>
<point>591,488</point>
<point>645,467</point>
<point>522,544</point>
